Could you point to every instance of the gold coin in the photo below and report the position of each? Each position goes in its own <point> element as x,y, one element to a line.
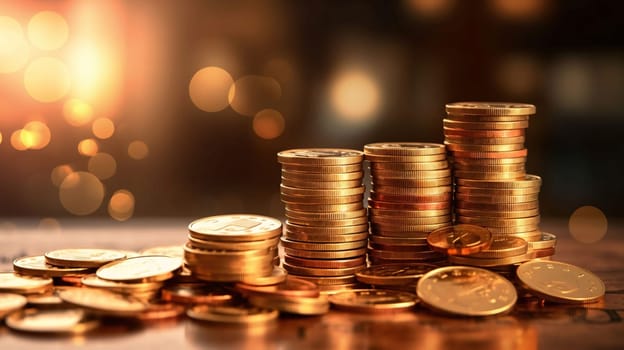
<point>102,301</point>
<point>239,314</point>
<point>399,234</point>
<point>405,220</point>
<point>377,204</point>
<point>12,283</point>
<point>460,239</point>
<point>149,268</point>
<point>393,274</point>
<point>37,266</point>
<point>398,227</point>
<point>325,237</point>
<point>530,237</point>
<point>490,108</point>
<point>318,201</point>
<point>412,182</point>
<point>399,247</point>
<point>498,222</point>
<point>498,214</point>
<point>44,300</point>
<point>324,208</point>
<point>466,291</point>
<point>513,168</point>
<point>404,159</point>
<point>474,133</point>
<point>293,305</point>
<point>403,255</point>
<point>484,148</point>
<point>324,223</point>
<point>10,302</point>
<point>484,140</point>
<point>82,257</point>
<point>503,247</point>
<point>374,212</point>
<point>307,192</point>
<point>401,198</point>
<point>497,199</point>
<point>481,175</point>
<point>323,169</point>
<point>397,241</point>
<point>415,166</point>
<point>560,282</point>
<point>547,240</point>
<point>404,148</point>
<point>218,245</point>
<point>412,191</point>
<point>373,300</point>
<point>496,206</point>
<point>277,276</point>
<point>497,192</point>
<point>198,293</point>
<point>488,118</point>
<point>528,181</point>
<point>51,321</point>
<point>311,271</point>
<point>325,229</point>
<point>322,185</point>
<point>329,281</point>
<point>291,286</point>
<point>481,125</point>
<point>237,227</point>
<point>120,287</point>
<point>320,177</point>
<point>160,311</point>
<point>320,156</point>
<point>325,263</point>
<point>326,254</point>
<point>337,215</point>
<point>411,174</point>
<point>175,251</point>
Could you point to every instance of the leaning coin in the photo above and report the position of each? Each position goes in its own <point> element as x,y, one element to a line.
<point>460,239</point>
<point>560,282</point>
<point>149,268</point>
<point>10,302</point>
<point>241,314</point>
<point>37,266</point>
<point>466,291</point>
<point>373,300</point>
<point>102,301</point>
<point>82,257</point>
<point>51,321</point>
<point>12,283</point>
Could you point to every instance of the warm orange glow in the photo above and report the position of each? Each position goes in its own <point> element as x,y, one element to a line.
<point>88,147</point>
<point>81,193</point>
<point>430,8</point>
<point>46,79</point>
<point>588,224</point>
<point>519,10</point>
<point>121,205</point>
<point>16,140</point>
<point>103,128</point>
<point>77,112</point>
<point>102,165</point>
<point>268,124</point>
<point>48,30</point>
<point>138,150</point>
<point>59,173</point>
<point>209,88</point>
<point>253,93</point>
<point>0,137</point>
<point>35,135</point>
<point>355,96</point>
<point>14,50</point>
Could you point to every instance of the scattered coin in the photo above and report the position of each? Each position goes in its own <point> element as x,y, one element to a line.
<point>82,257</point>
<point>37,266</point>
<point>152,268</point>
<point>72,321</point>
<point>10,302</point>
<point>460,239</point>
<point>373,300</point>
<point>241,314</point>
<point>12,283</point>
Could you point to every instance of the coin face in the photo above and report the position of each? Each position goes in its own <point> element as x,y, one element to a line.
<point>152,268</point>
<point>37,266</point>
<point>82,257</point>
<point>240,227</point>
<point>51,321</point>
<point>320,156</point>
<point>10,282</point>
<point>373,300</point>
<point>102,301</point>
<point>467,291</point>
<point>242,314</point>
<point>560,282</point>
<point>490,108</point>
<point>393,274</point>
<point>460,239</point>
<point>10,302</point>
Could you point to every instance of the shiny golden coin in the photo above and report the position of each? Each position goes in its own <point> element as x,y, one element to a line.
<point>325,229</point>
<point>412,182</point>
<point>378,204</point>
<point>326,254</point>
<point>512,230</point>
<point>529,181</point>
<point>325,263</point>
<point>374,212</point>
<point>457,132</point>
<point>399,227</point>
<point>321,185</point>
<point>401,198</point>
<point>318,201</point>
<point>495,155</point>
<point>239,314</point>
<point>102,301</point>
<point>311,271</point>
<point>51,321</point>
<point>492,176</point>
<point>404,159</point>
<point>560,282</point>
<point>547,240</point>
<point>490,108</point>
<point>307,192</point>
<point>498,214</point>
<point>488,162</point>
<point>404,148</point>
<point>410,174</point>
<point>393,274</point>
<point>291,286</point>
<point>43,301</point>
<point>498,222</point>
<point>405,220</point>
<point>513,168</point>
<point>484,148</point>
<point>496,191</point>
<point>437,258</point>
<point>292,305</point>
<point>325,237</point>
<point>497,206</point>
<point>530,237</point>
<point>323,169</point>
<point>175,251</point>
<point>238,246</point>
<point>120,287</point>
<point>313,216</point>
<point>497,199</point>
<point>235,227</point>
<point>403,255</point>
<point>415,166</point>
<point>320,156</point>
<point>412,191</point>
<point>470,260</point>
<point>161,311</point>
<point>10,302</point>
<point>230,275</point>
<point>277,276</point>
<point>373,300</point>
<point>325,208</point>
<point>399,234</point>
<point>149,268</point>
<point>466,291</point>
<point>37,266</point>
<point>481,125</point>
<point>460,239</point>
<point>398,241</point>
<point>399,247</point>
<point>12,283</point>
<point>487,118</point>
<point>484,140</point>
<point>503,247</point>
<point>198,293</point>
<point>82,257</point>
<point>324,223</point>
<point>329,281</point>
<point>321,177</point>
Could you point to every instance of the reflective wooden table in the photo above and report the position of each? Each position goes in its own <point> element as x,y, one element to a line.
<point>531,325</point>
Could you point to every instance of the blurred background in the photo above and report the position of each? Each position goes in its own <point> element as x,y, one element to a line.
<point>130,109</point>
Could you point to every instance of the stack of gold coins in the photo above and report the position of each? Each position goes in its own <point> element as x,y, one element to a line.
<point>410,197</point>
<point>326,228</point>
<point>232,248</point>
<point>486,146</point>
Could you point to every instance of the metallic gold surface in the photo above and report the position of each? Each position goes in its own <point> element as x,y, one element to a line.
<point>373,300</point>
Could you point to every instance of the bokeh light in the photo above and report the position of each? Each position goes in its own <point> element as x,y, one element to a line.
<point>0,137</point>
<point>253,93</point>
<point>103,128</point>
<point>77,112</point>
<point>35,135</point>
<point>102,165</point>
<point>519,74</point>
<point>355,96</point>
<point>46,79</point>
<point>588,224</point>
<point>209,89</point>
<point>138,150</point>
<point>121,205</point>
<point>59,173</point>
<point>49,225</point>
<point>14,50</point>
<point>48,30</point>
<point>81,193</point>
<point>88,147</point>
<point>268,124</point>
<point>519,10</point>
<point>430,8</point>
<point>16,140</point>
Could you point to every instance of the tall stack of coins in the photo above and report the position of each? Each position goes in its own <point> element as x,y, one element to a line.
<point>486,145</point>
<point>232,248</point>
<point>326,228</point>
<point>410,197</point>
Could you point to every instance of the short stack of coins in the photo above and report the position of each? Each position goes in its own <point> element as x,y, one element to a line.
<point>326,227</point>
<point>410,197</point>
<point>232,248</point>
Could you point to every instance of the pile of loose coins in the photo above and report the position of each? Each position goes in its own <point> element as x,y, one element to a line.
<point>410,196</point>
<point>326,227</point>
<point>229,270</point>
